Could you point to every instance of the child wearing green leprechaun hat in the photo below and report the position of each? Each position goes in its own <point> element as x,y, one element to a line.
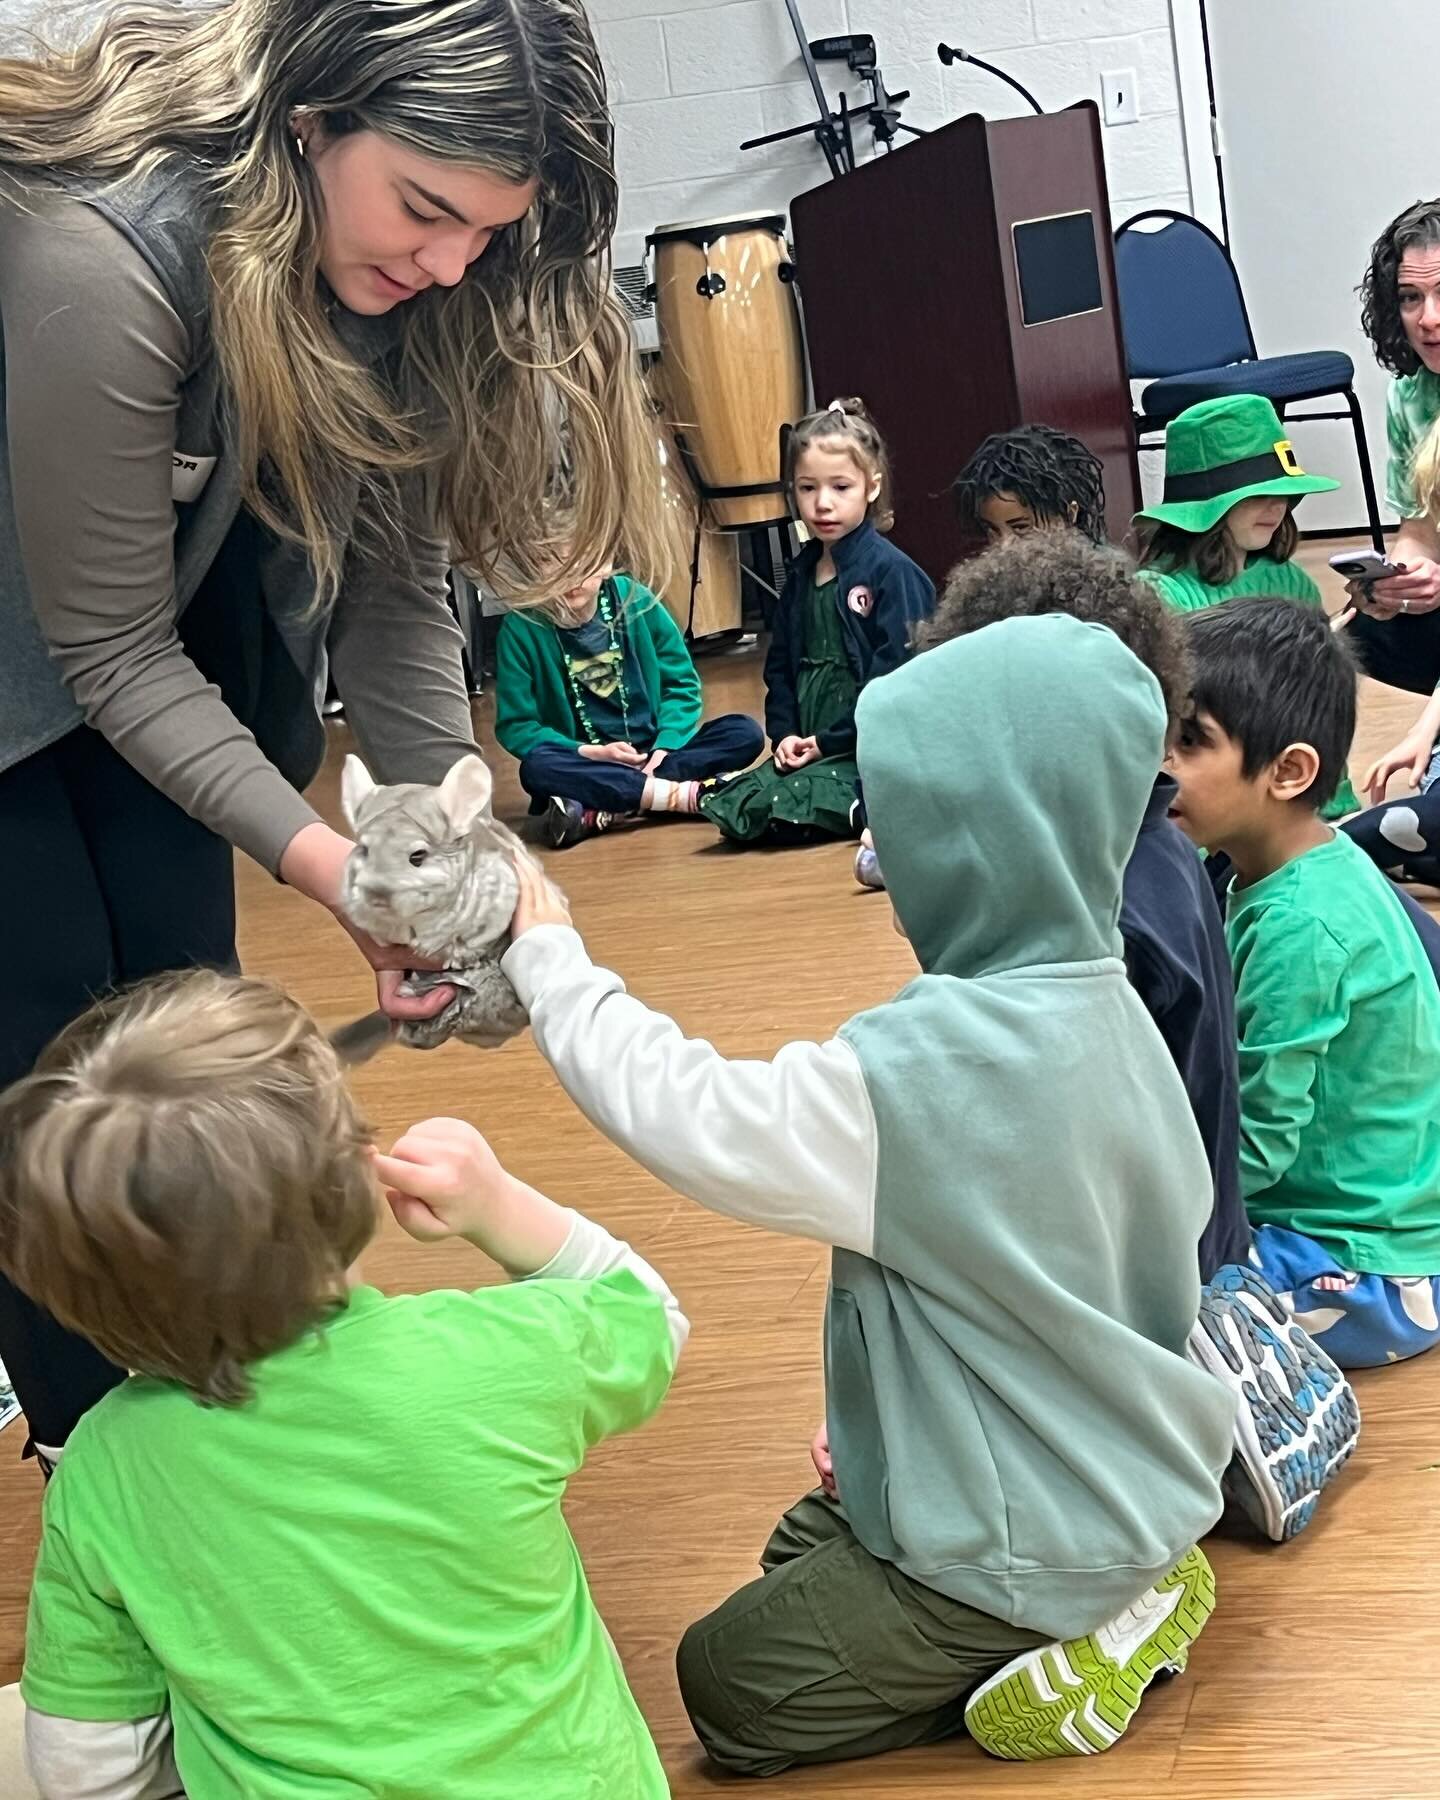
<point>1224,528</point>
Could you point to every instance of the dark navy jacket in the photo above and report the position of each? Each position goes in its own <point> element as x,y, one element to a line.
<point>1178,963</point>
<point>882,597</point>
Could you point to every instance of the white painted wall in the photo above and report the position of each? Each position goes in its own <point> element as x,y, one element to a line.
<point>692,78</point>
<point>1323,144</point>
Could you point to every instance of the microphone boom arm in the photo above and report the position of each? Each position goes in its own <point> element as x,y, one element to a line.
<point>949,54</point>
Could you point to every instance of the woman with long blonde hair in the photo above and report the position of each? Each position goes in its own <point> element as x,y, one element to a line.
<point>301,299</point>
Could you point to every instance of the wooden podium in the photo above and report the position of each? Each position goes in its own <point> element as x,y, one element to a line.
<point>964,285</point>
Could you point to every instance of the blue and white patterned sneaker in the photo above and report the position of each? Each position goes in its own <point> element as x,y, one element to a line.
<point>1296,1416</point>
<point>1077,1698</point>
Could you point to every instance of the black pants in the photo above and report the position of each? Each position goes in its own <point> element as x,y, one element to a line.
<point>105,881</point>
<point>1403,652</point>
<point>718,747</point>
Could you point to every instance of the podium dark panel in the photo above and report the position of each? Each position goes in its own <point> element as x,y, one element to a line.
<point>911,290</point>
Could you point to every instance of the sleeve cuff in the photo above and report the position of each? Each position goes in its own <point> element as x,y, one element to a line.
<point>589,1250</point>
<point>266,835</point>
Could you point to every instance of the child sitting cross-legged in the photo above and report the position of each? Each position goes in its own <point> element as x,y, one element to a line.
<point>599,700</point>
<point>1024,1455</point>
<point>1337,1010</point>
<point>1296,1417</point>
<point>314,1544</point>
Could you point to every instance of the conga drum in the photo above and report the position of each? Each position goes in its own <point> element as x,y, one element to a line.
<point>734,365</point>
<point>707,602</point>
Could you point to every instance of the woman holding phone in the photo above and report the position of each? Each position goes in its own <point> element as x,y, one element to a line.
<point>301,300</point>
<point>1398,633</point>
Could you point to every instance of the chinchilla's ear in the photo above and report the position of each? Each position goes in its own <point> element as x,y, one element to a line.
<point>356,787</point>
<point>465,794</point>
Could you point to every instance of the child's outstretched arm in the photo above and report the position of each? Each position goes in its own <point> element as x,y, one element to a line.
<point>789,1143</point>
<point>443,1180</point>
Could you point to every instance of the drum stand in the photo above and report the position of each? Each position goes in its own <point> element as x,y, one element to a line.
<point>833,131</point>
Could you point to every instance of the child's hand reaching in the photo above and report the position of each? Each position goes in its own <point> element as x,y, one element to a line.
<point>443,1180</point>
<point>793,753</point>
<point>540,902</point>
<point>820,1456</point>
<point>1412,755</point>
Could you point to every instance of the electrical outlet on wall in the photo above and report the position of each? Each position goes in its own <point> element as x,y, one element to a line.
<point>1119,103</point>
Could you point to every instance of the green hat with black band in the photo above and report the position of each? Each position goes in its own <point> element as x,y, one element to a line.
<point>1223,451</point>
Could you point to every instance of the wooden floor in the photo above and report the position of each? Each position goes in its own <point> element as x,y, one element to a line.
<point>1317,1678</point>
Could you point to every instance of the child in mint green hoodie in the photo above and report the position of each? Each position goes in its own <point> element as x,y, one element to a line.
<point>601,706</point>
<point>1024,1457</point>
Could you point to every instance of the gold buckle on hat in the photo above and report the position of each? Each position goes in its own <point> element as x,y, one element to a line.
<point>1285,450</point>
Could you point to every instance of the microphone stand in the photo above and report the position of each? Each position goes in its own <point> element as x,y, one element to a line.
<point>949,54</point>
<point>826,135</point>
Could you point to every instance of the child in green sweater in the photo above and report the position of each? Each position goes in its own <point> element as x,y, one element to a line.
<point>1225,527</point>
<point>600,704</point>
<point>1336,1007</point>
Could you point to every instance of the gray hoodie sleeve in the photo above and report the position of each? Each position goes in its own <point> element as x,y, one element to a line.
<point>94,359</point>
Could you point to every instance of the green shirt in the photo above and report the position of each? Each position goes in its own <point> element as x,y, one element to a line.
<point>1339,1022</point>
<point>1186,592</point>
<point>1411,408</point>
<point>535,704</point>
<point>361,1581</point>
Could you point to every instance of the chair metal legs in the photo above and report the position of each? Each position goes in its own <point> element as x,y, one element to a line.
<point>1367,475</point>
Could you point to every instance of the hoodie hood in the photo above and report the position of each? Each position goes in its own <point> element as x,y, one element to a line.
<point>1006,775</point>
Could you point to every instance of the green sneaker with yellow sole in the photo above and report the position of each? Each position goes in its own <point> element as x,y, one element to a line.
<point>1077,1698</point>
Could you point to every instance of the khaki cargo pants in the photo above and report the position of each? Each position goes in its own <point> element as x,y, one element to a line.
<point>833,1653</point>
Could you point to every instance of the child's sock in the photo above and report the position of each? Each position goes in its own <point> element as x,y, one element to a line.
<point>670,796</point>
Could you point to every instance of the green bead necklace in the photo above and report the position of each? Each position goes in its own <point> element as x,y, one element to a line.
<point>612,627</point>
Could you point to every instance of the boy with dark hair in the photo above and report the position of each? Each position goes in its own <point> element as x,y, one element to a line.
<point>1291,1402</point>
<point>1337,1010</point>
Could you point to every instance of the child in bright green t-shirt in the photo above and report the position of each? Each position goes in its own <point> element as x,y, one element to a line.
<point>1336,1006</point>
<point>1224,528</point>
<point>316,1543</point>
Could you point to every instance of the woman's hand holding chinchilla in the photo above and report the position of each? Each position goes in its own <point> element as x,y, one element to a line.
<point>313,862</point>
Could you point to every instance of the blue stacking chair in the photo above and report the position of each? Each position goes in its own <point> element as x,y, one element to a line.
<point>1188,335</point>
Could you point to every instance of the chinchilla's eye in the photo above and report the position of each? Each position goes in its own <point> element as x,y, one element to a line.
<point>417,857</point>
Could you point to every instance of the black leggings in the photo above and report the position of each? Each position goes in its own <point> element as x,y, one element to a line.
<point>1402,652</point>
<point>105,881</point>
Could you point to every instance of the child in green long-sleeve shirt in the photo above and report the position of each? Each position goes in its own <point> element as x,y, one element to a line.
<point>600,702</point>
<point>1336,1005</point>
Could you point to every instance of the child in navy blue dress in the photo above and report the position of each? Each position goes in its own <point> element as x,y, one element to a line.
<point>849,607</point>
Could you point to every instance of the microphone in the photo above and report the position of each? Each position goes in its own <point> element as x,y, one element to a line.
<point>949,54</point>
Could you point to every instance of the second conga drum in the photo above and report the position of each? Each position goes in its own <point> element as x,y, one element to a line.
<point>708,603</point>
<point>730,348</point>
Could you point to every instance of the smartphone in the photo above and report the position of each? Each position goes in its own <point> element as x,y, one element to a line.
<point>1365,565</point>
